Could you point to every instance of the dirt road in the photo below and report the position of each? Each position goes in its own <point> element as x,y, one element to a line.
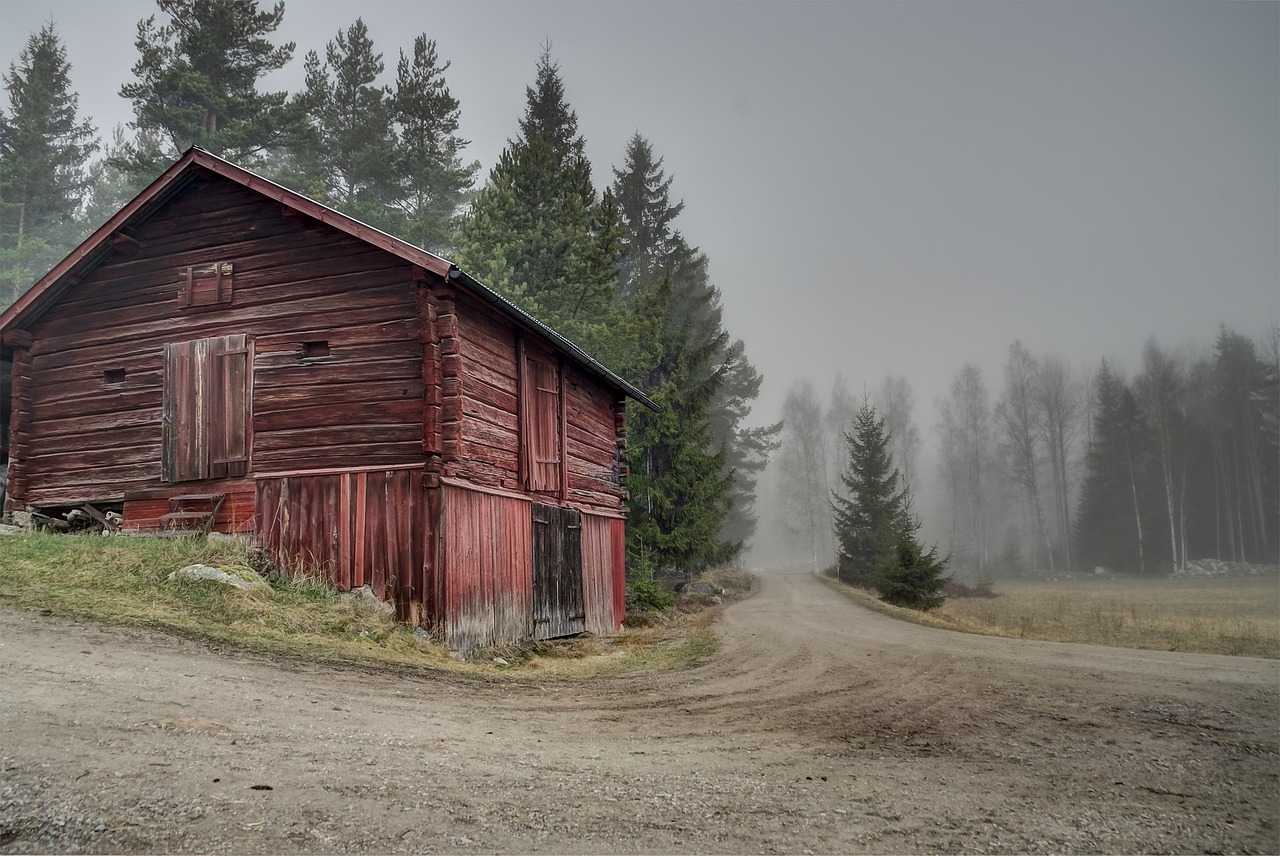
<point>818,727</point>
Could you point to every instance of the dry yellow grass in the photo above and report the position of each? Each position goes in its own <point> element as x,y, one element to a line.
<point>1239,616</point>
<point>124,581</point>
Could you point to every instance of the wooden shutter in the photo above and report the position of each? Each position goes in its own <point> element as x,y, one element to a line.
<point>540,411</point>
<point>206,409</point>
<point>208,285</point>
<point>227,407</point>
<point>183,411</point>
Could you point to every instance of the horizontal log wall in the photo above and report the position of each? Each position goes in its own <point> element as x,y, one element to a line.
<point>294,281</point>
<point>490,396</point>
<point>490,422</point>
<point>590,443</point>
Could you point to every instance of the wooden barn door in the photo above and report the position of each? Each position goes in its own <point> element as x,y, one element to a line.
<point>557,572</point>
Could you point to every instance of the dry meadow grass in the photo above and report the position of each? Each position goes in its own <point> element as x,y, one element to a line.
<point>1234,615</point>
<point>124,581</point>
<point>1214,615</point>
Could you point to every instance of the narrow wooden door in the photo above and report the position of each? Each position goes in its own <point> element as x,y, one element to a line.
<point>557,572</point>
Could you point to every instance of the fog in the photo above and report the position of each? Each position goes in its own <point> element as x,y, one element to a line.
<point>881,188</point>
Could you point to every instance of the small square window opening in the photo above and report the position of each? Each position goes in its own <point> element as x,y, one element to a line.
<point>315,349</point>
<point>111,376</point>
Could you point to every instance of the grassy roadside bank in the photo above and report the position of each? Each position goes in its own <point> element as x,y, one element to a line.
<point>122,581</point>
<point>1236,616</point>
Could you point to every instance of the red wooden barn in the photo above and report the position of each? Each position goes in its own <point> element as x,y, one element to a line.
<point>224,350</point>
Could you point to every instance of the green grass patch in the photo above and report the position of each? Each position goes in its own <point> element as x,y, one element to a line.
<point>124,581</point>
<point>1236,615</point>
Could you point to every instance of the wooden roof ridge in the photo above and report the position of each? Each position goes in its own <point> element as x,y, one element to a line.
<point>94,248</point>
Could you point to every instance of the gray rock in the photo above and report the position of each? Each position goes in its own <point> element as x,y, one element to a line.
<point>224,538</point>
<point>365,597</point>
<point>237,576</point>
<point>6,529</point>
<point>24,519</point>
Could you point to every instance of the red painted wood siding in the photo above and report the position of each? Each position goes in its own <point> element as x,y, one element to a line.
<point>486,556</point>
<point>349,529</point>
<point>295,280</point>
<point>602,576</point>
<point>619,541</point>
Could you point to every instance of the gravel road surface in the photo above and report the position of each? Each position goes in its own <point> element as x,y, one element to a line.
<point>818,727</point>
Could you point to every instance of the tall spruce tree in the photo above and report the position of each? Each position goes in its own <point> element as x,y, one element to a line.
<point>1244,449</point>
<point>197,80</point>
<point>1110,520</point>
<point>653,249</point>
<point>679,488</point>
<point>433,180</point>
<point>873,509</point>
<point>44,149</point>
<point>538,234</point>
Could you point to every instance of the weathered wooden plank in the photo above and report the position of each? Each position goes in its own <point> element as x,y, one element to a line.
<point>273,399</point>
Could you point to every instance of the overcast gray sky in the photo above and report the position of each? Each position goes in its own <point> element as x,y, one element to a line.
<point>881,188</point>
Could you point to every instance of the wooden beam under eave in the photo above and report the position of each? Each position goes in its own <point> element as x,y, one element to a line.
<point>17,338</point>
<point>125,245</point>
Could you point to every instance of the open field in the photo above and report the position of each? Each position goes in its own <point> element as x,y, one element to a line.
<point>1239,616</point>
<point>123,581</point>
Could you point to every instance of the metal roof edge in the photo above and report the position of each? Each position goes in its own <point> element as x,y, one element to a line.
<point>595,366</point>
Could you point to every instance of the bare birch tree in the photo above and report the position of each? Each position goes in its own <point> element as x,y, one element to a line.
<point>842,409</point>
<point>1060,406</point>
<point>803,486</point>
<point>895,402</point>
<point>1017,418</point>
<point>967,465</point>
<point>1159,390</point>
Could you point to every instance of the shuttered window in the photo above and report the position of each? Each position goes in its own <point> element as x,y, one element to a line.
<point>541,424</point>
<point>206,409</point>
<point>208,285</point>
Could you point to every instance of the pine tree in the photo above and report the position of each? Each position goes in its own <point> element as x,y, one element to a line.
<point>538,234</point>
<point>197,79</point>
<point>44,149</point>
<point>348,144</point>
<point>433,181</point>
<point>874,510</point>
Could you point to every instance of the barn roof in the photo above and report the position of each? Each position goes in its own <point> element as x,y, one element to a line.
<point>72,269</point>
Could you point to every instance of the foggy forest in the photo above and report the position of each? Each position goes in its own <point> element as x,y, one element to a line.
<point>1054,466</point>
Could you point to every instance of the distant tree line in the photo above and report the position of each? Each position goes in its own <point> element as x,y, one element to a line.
<point>607,268</point>
<point>1069,470</point>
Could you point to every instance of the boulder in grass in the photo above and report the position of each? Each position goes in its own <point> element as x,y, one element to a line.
<point>236,576</point>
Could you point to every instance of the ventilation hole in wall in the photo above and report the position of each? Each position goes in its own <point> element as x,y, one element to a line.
<point>315,349</point>
<point>113,376</point>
